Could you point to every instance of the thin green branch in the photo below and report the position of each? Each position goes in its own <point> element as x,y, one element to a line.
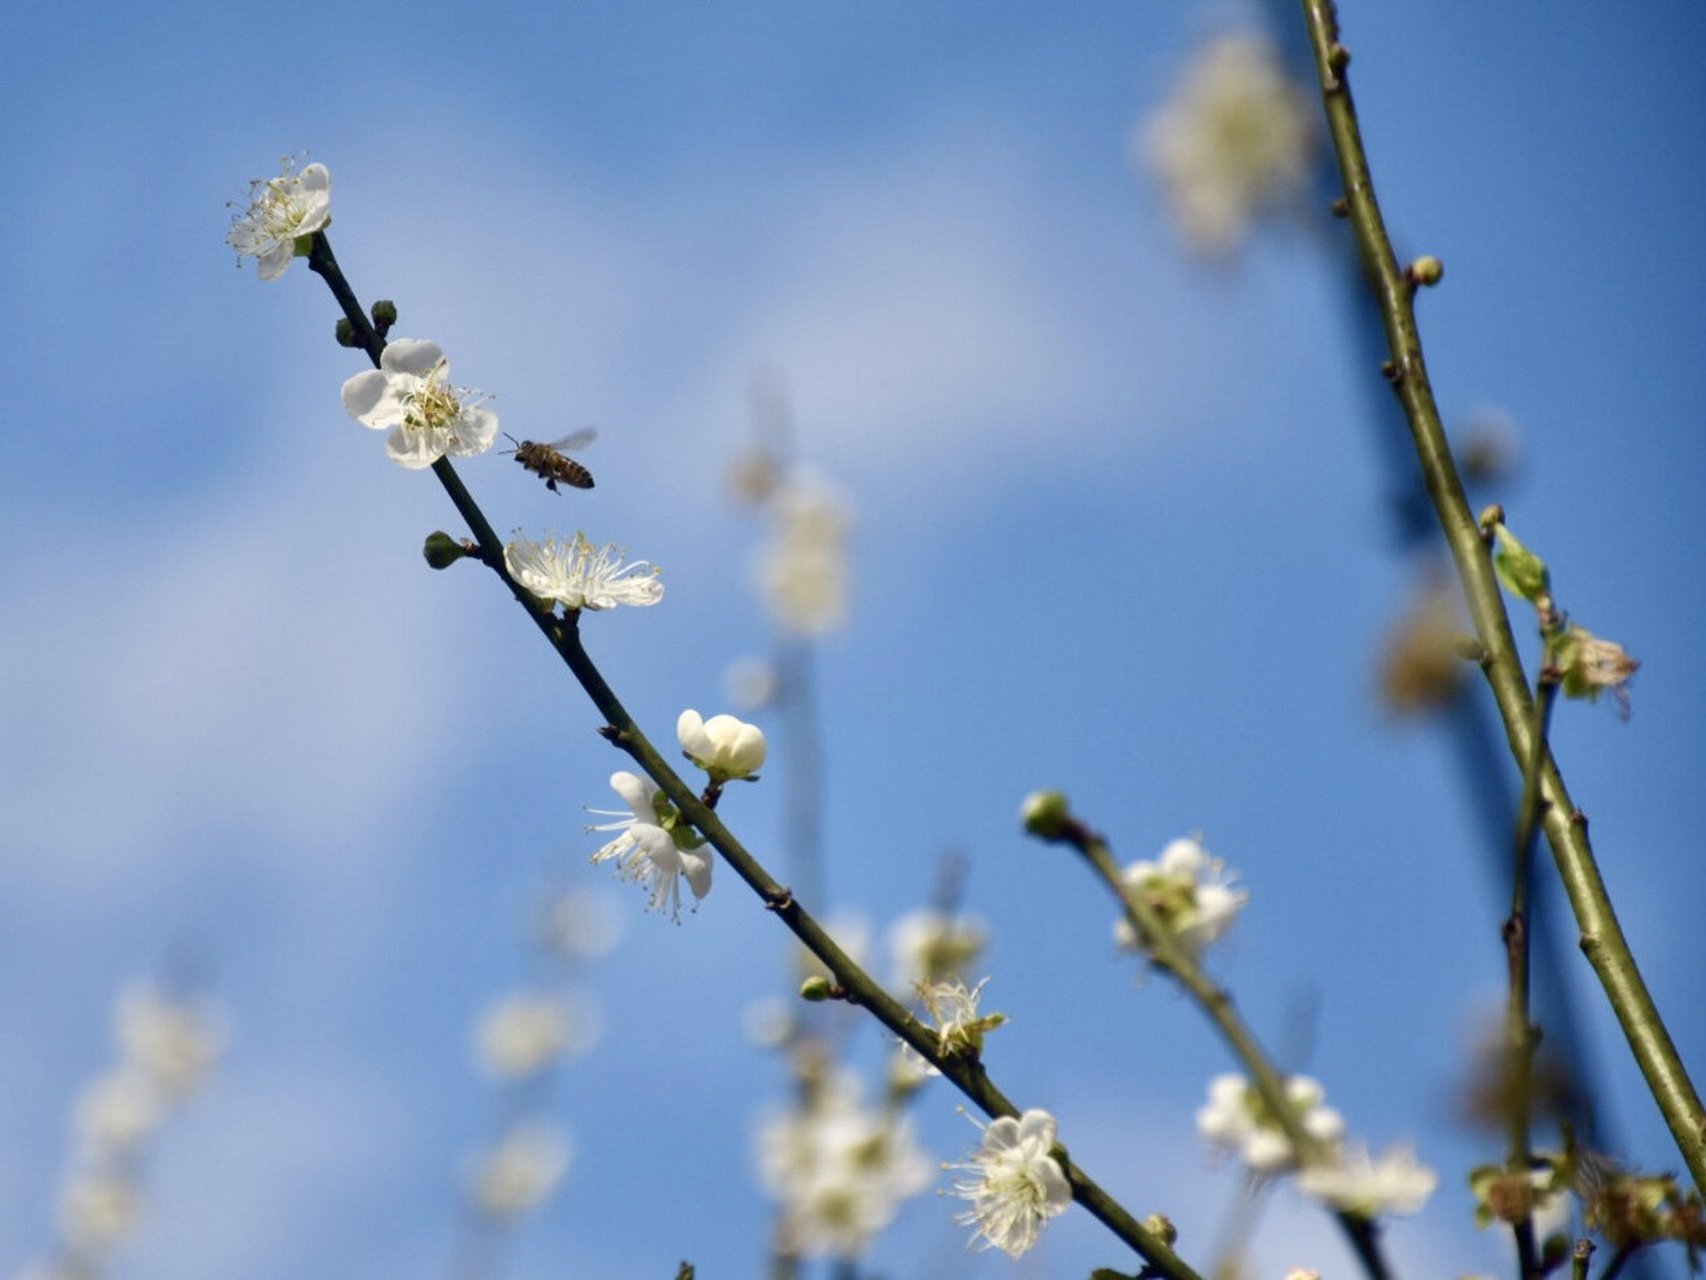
<point>1565,826</point>
<point>1168,955</point>
<point>858,987</point>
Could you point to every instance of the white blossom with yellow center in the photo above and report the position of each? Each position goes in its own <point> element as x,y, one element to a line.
<point>578,575</point>
<point>411,396</point>
<point>1017,1184</point>
<point>281,212</point>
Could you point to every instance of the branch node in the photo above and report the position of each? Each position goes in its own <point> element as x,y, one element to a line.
<point>1340,207</point>
<point>781,898</point>
<point>1391,372</point>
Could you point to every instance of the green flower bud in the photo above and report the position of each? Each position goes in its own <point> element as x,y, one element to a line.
<point>345,333</point>
<point>1522,572</point>
<point>816,989</point>
<point>384,313</point>
<point>1046,814</point>
<point>441,550</point>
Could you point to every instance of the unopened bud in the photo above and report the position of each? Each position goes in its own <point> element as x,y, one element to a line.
<point>384,313</point>
<point>1046,814</point>
<point>346,333</point>
<point>441,550</point>
<point>1426,271</point>
<point>816,989</point>
<point>1159,1224</point>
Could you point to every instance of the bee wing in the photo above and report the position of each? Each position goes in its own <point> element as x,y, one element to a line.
<point>575,440</point>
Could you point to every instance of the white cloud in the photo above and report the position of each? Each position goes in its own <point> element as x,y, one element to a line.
<point>256,672</point>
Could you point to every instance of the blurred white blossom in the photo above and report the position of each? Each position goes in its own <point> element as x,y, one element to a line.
<point>521,1035</point>
<point>803,572</point>
<point>1189,890</point>
<point>411,395</point>
<point>724,747</point>
<point>583,923</point>
<point>932,946</point>
<point>116,1113</point>
<point>280,211</point>
<point>653,845</point>
<point>1356,1183</point>
<point>515,1177</point>
<point>1017,1185</point>
<point>98,1210</point>
<point>1236,1119</point>
<point>581,576</point>
<point>751,684</point>
<point>1234,141</point>
<point>839,1169</point>
<point>172,1041</point>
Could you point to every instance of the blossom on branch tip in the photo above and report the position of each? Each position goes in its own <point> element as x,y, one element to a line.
<point>1237,1119</point>
<point>1016,1184</point>
<point>282,213</point>
<point>655,845</point>
<point>411,395</point>
<point>579,575</point>
<point>1189,890</point>
<point>1357,1183</point>
<point>724,747</point>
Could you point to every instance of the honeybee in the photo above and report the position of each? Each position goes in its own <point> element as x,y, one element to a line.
<point>550,461</point>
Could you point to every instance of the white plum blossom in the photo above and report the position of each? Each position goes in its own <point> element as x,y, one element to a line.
<point>654,845</point>
<point>281,211</point>
<point>953,1008</point>
<point>1236,1119</point>
<point>803,575</point>
<point>932,946</point>
<point>1356,1183</point>
<point>1234,141</point>
<point>515,1176</point>
<point>724,747</point>
<point>410,394</point>
<point>1189,890</point>
<point>578,575</point>
<point>840,1169</point>
<point>1017,1185</point>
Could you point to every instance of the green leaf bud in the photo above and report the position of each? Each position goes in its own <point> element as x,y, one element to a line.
<point>1522,572</point>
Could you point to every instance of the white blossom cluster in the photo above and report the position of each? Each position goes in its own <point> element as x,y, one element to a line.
<point>1190,890</point>
<point>839,1169</point>
<point>1345,1176</point>
<point>167,1044</point>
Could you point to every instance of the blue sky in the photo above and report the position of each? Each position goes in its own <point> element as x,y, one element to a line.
<point>1120,530</point>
